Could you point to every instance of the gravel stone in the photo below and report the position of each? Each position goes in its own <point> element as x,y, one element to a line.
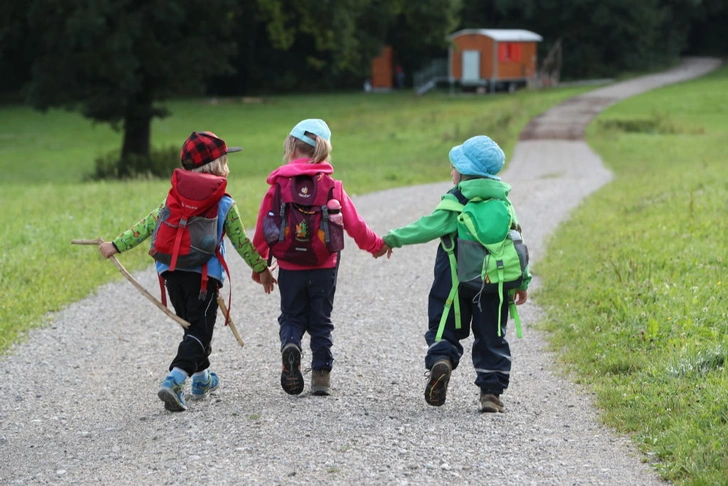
<point>79,399</point>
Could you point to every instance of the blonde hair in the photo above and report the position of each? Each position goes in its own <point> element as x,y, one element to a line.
<point>217,167</point>
<point>293,146</point>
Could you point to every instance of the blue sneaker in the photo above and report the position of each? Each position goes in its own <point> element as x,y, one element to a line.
<point>171,394</point>
<point>201,386</point>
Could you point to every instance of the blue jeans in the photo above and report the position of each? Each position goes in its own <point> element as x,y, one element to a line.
<point>491,353</point>
<point>307,299</point>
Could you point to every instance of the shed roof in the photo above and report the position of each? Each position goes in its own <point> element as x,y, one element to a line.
<point>501,35</point>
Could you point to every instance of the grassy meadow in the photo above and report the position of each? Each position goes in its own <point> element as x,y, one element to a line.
<point>635,282</point>
<point>380,141</point>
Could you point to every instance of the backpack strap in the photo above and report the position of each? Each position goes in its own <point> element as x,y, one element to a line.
<point>514,314</point>
<point>218,253</point>
<point>162,290</point>
<point>447,204</point>
<point>448,244</point>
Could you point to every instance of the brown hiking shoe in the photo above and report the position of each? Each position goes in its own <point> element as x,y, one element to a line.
<point>436,389</point>
<point>321,382</point>
<point>491,403</point>
<point>291,377</point>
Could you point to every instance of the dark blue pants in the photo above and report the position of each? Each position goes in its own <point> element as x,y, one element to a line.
<point>491,353</point>
<point>307,299</point>
<point>184,294</point>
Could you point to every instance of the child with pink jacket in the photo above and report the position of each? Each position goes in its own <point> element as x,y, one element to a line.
<point>307,292</point>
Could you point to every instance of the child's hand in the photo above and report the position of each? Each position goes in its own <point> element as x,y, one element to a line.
<point>266,279</point>
<point>520,297</point>
<point>384,249</point>
<point>107,249</point>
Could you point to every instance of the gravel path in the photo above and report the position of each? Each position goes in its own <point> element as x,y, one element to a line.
<point>79,401</point>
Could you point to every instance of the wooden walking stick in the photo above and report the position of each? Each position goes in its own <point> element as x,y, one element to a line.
<point>229,320</point>
<point>135,283</point>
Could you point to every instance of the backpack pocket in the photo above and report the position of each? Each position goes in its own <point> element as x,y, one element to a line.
<point>272,228</point>
<point>484,269</point>
<point>471,256</point>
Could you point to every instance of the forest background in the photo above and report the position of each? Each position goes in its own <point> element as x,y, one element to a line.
<point>119,61</point>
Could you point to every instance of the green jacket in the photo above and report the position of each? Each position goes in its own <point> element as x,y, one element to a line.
<point>443,222</point>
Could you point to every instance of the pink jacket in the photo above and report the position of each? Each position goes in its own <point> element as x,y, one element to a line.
<point>355,227</point>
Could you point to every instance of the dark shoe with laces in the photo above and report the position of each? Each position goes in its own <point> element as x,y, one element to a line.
<point>491,403</point>
<point>291,377</point>
<point>436,389</point>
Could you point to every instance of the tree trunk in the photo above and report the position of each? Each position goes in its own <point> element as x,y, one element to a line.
<point>137,128</point>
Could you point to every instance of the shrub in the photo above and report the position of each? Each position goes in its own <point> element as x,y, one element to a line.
<point>160,164</point>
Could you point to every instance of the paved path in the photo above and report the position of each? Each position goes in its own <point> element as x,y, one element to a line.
<point>78,401</point>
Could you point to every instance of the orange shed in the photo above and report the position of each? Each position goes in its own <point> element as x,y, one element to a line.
<point>383,69</point>
<point>492,58</point>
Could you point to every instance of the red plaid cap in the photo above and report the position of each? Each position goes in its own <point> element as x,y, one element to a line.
<point>201,148</point>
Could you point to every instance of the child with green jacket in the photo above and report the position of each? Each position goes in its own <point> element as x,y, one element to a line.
<point>475,164</point>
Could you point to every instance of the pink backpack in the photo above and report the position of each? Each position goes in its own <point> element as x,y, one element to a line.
<point>297,227</point>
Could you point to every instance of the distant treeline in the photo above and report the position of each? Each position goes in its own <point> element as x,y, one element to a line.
<point>279,46</point>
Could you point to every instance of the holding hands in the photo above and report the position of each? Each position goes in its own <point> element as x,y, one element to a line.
<point>384,249</point>
<point>266,279</point>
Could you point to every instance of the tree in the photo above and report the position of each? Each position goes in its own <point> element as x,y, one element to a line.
<point>16,47</point>
<point>115,61</point>
<point>309,44</point>
<point>421,30</point>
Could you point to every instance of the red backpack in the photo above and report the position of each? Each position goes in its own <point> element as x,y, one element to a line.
<point>297,227</point>
<point>185,236</point>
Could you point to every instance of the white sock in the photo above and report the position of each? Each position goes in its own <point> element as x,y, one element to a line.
<point>201,375</point>
<point>179,373</point>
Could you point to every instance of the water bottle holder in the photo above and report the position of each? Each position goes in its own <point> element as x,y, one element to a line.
<point>336,237</point>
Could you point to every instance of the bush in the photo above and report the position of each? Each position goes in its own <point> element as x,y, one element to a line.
<point>160,164</point>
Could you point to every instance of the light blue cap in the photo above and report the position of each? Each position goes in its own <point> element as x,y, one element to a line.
<point>478,156</point>
<point>312,126</point>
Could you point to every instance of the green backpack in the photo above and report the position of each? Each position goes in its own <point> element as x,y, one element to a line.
<point>491,255</point>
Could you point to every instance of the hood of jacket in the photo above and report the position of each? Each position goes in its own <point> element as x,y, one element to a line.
<point>484,188</point>
<point>299,167</point>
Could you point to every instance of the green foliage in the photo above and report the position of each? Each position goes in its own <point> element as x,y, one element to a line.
<point>379,142</point>
<point>634,282</point>
<point>603,39</point>
<point>160,163</point>
<point>420,33</point>
<point>307,47</point>
<point>115,61</point>
<point>107,58</point>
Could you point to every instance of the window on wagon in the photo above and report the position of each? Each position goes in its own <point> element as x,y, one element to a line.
<point>509,52</point>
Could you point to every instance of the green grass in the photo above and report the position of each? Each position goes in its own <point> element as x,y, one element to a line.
<point>635,282</point>
<point>380,141</point>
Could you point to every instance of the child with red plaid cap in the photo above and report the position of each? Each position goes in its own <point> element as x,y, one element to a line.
<point>307,290</point>
<point>194,300</point>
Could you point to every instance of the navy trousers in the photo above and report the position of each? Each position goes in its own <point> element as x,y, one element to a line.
<point>184,294</point>
<point>491,353</point>
<point>307,299</point>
